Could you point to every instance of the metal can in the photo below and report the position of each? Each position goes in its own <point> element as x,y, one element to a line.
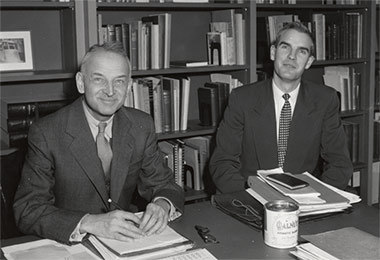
<point>281,224</point>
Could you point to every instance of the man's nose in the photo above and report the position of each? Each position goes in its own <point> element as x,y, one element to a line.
<point>292,54</point>
<point>109,90</point>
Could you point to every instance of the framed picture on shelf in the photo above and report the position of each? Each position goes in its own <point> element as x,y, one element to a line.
<point>15,51</point>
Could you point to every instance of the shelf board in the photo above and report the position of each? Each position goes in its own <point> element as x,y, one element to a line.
<point>194,129</point>
<point>318,63</point>
<point>169,6</point>
<point>359,166</point>
<point>193,70</point>
<point>352,113</point>
<point>338,62</point>
<point>305,5</point>
<point>41,75</point>
<point>12,5</point>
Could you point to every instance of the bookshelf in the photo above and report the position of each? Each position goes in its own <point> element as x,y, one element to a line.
<point>364,64</point>
<point>63,31</point>
<point>189,27</point>
<point>53,45</point>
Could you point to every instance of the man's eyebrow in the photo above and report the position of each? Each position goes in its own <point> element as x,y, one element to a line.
<point>288,44</point>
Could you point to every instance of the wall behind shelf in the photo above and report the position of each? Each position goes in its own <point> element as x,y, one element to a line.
<point>45,34</point>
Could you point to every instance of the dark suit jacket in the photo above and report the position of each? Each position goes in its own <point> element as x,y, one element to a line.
<point>247,140</point>
<point>62,178</point>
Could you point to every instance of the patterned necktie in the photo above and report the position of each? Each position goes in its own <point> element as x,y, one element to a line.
<point>104,149</point>
<point>285,119</point>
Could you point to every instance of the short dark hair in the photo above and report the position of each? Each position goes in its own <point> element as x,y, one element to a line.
<point>299,27</point>
<point>114,47</point>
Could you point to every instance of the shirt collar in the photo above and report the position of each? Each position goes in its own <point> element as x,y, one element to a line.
<point>93,123</point>
<point>293,94</point>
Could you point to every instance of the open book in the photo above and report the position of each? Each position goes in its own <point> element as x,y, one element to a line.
<point>155,246</point>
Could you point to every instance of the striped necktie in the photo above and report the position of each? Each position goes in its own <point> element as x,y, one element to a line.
<point>285,119</point>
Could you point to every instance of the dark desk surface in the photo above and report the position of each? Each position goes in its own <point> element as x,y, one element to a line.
<point>238,241</point>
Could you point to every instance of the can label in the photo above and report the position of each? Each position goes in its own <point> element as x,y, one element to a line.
<point>281,224</point>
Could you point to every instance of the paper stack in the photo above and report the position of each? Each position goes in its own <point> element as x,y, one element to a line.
<point>155,246</point>
<point>317,198</point>
<point>344,243</point>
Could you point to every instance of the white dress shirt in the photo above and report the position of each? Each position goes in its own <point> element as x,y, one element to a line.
<point>279,102</point>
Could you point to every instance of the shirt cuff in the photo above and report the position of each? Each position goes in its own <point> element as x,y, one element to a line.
<point>174,213</point>
<point>76,236</point>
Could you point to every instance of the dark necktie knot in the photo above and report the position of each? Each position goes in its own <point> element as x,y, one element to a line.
<point>286,96</point>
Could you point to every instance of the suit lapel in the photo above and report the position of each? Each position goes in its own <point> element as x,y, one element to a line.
<point>264,126</point>
<point>302,125</point>
<point>122,146</point>
<point>83,148</point>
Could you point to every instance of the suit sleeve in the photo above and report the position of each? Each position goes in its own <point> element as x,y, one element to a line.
<point>34,208</point>
<point>338,167</point>
<point>225,161</point>
<point>157,179</point>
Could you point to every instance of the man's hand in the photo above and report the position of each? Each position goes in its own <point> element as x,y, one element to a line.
<point>155,217</point>
<point>117,224</point>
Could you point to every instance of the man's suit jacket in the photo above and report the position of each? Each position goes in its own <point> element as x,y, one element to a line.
<point>62,178</point>
<point>247,140</point>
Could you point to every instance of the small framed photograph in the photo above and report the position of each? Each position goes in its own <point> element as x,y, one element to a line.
<point>15,51</point>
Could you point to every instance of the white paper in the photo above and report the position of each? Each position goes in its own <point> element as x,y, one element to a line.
<point>166,237</point>
<point>46,249</point>
<point>196,254</point>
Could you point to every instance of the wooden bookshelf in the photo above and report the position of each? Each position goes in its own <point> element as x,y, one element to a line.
<point>62,32</point>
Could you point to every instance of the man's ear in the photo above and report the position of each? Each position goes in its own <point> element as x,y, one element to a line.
<point>80,82</point>
<point>272,52</point>
<point>309,62</point>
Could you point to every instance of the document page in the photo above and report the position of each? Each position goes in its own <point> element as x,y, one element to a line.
<point>46,249</point>
<point>167,237</point>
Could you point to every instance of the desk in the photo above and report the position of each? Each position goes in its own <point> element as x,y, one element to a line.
<point>238,241</point>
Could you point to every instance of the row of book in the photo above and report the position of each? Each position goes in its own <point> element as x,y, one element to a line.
<point>323,2</point>
<point>188,159</point>
<point>337,34</point>
<point>146,41</point>
<point>226,38</point>
<point>166,99</point>
<point>213,98</point>
<point>16,117</point>
<point>347,81</point>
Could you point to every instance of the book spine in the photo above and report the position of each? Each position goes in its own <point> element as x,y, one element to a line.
<point>21,110</point>
<point>167,114</point>
<point>17,125</point>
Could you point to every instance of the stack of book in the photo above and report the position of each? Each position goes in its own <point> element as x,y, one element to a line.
<point>226,38</point>
<point>146,41</point>
<point>156,246</point>
<point>166,99</point>
<point>17,115</point>
<point>317,198</point>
